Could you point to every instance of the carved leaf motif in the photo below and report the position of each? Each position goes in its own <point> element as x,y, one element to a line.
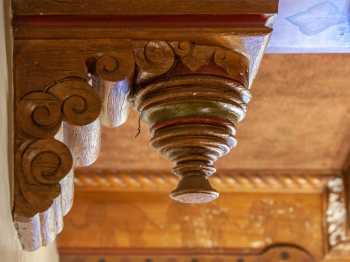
<point>235,65</point>
<point>192,55</point>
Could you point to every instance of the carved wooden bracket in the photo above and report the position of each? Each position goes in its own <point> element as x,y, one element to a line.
<point>188,74</point>
<point>41,161</point>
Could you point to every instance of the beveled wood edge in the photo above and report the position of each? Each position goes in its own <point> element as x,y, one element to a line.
<point>225,181</point>
<point>136,7</point>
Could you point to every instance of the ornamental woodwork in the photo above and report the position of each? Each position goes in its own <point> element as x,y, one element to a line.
<point>194,111</point>
<point>188,78</point>
<point>42,161</point>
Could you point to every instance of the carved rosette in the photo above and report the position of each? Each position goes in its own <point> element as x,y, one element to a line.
<point>42,161</point>
<point>193,97</point>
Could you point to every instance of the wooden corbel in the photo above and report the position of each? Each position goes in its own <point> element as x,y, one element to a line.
<point>187,68</point>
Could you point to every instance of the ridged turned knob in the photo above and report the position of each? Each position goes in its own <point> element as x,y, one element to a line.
<point>194,189</point>
<point>193,112</point>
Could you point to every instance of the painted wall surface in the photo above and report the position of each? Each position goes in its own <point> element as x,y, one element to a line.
<point>10,250</point>
<point>312,26</point>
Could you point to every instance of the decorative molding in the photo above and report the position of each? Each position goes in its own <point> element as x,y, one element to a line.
<point>156,58</point>
<point>57,72</point>
<point>193,97</point>
<point>41,161</point>
<point>227,181</point>
<point>43,178</point>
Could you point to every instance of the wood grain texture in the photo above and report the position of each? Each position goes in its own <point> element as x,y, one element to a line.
<point>144,7</point>
<point>244,221</point>
<point>112,77</point>
<point>84,142</point>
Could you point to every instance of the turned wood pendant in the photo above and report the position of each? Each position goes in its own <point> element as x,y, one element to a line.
<point>193,109</point>
<point>188,78</point>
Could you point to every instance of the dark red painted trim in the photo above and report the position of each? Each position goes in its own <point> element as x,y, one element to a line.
<point>143,21</point>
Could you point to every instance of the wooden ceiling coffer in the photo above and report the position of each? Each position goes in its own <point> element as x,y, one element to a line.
<point>187,70</point>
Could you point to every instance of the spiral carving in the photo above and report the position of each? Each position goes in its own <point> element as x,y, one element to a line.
<point>39,114</point>
<point>80,104</point>
<point>44,163</point>
<point>193,122</point>
<point>154,59</point>
<point>41,161</point>
<point>157,58</point>
<point>115,66</point>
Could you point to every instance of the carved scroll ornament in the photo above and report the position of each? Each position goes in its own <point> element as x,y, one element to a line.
<point>192,96</point>
<point>42,161</point>
<point>190,85</point>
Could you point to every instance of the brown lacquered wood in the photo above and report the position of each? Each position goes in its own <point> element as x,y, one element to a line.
<point>150,223</point>
<point>67,53</point>
<point>142,7</point>
<point>194,111</point>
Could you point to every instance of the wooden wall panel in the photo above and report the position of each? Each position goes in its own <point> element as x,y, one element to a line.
<point>246,221</point>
